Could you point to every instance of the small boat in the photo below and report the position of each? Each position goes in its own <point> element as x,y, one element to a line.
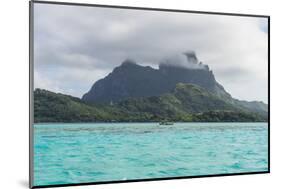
<point>166,123</point>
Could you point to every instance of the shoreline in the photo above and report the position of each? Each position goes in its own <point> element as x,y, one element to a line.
<point>89,123</point>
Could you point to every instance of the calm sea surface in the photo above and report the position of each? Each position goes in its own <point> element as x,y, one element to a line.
<point>79,153</point>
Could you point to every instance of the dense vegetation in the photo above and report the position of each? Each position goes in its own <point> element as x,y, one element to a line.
<point>186,102</point>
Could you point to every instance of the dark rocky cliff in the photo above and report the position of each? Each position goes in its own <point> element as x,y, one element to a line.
<point>133,80</point>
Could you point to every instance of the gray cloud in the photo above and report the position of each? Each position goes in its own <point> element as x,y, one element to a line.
<point>75,46</point>
<point>187,59</point>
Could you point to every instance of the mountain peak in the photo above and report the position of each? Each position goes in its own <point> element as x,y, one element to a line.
<point>128,62</point>
<point>186,60</point>
<point>191,57</point>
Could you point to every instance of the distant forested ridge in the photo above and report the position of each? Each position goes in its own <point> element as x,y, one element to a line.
<point>134,93</point>
<point>187,103</point>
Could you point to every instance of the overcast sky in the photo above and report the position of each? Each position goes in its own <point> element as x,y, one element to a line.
<point>74,46</point>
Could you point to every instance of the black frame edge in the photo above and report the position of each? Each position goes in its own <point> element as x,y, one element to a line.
<point>149,180</point>
<point>268,75</point>
<point>149,8</point>
<point>31,135</point>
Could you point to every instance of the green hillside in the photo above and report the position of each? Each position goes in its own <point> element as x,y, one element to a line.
<point>186,102</point>
<point>55,107</point>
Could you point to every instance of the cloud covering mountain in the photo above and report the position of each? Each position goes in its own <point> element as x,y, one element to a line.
<point>76,46</point>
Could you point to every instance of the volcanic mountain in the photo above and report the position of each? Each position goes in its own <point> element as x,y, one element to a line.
<point>133,80</point>
<point>181,89</point>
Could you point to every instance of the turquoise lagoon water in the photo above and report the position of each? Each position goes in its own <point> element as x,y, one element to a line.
<point>80,153</point>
